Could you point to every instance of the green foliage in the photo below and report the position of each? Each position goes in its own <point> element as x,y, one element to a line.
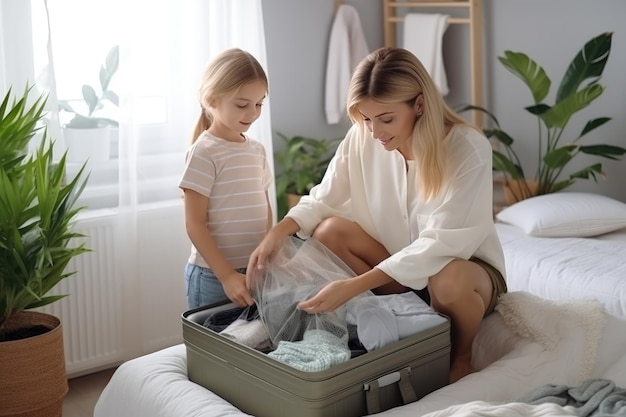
<point>94,101</point>
<point>301,164</point>
<point>579,87</point>
<point>37,208</point>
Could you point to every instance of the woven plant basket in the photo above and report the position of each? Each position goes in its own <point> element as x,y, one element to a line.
<point>33,379</point>
<point>518,190</point>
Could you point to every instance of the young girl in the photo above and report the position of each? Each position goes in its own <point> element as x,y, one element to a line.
<point>406,202</point>
<point>226,181</point>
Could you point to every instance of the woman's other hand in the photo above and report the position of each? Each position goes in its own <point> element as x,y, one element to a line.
<point>331,297</point>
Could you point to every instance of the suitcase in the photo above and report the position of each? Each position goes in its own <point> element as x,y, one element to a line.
<point>396,374</point>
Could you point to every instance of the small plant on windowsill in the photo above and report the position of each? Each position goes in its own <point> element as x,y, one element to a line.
<point>87,136</point>
<point>95,101</point>
<point>301,164</point>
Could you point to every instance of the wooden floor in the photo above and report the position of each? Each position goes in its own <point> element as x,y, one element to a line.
<point>84,392</point>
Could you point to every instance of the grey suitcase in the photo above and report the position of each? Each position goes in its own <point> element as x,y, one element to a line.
<point>399,373</point>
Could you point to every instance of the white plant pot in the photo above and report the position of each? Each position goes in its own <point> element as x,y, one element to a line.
<point>93,145</point>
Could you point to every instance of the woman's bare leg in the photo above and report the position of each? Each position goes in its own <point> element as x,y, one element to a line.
<point>462,291</point>
<point>355,247</point>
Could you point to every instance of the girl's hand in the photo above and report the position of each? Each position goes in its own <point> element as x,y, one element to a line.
<point>236,290</point>
<point>331,297</point>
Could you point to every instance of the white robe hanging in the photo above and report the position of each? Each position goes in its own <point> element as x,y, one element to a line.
<point>347,47</point>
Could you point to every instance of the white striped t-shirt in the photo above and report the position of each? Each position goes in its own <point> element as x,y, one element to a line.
<point>234,176</point>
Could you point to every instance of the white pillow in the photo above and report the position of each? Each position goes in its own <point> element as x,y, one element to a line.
<point>566,215</point>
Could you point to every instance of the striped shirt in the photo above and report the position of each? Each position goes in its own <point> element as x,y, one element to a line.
<point>234,177</point>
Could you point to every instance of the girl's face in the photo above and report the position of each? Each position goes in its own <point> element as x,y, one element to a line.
<point>392,124</point>
<point>234,113</point>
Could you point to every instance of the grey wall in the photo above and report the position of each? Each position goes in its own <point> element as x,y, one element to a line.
<point>549,31</point>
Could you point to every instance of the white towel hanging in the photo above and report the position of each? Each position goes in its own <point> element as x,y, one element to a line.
<point>346,48</point>
<point>423,35</point>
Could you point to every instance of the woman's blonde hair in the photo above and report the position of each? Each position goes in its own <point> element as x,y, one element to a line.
<point>395,75</point>
<point>225,74</point>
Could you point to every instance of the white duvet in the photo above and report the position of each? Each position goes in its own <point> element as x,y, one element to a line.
<point>527,343</point>
<point>567,268</point>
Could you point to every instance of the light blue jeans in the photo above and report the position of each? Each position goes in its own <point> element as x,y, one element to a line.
<point>203,287</point>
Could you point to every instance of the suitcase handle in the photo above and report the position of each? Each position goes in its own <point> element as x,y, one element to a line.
<point>402,377</point>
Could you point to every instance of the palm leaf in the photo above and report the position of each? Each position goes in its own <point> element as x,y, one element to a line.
<point>592,124</point>
<point>559,115</point>
<point>503,164</point>
<point>606,151</point>
<point>533,75</point>
<point>559,157</point>
<point>588,63</point>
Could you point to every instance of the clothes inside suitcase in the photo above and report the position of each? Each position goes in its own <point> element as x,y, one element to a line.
<point>401,372</point>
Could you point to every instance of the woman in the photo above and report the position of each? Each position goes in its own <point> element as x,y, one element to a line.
<point>406,202</point>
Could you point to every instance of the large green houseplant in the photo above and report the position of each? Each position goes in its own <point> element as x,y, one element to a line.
<point>37,241</point>
<point>301,164</point>
<point>578,88</point>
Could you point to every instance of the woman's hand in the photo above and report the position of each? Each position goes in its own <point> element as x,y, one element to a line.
<point>331,297</point>
<point>270,244</point>
<point>337,293</point>
<point>261,256</point>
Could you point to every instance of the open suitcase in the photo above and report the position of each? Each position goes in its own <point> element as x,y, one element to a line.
<point>396,374</point>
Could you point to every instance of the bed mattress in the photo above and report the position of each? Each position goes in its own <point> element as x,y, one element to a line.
<point>567,268</point>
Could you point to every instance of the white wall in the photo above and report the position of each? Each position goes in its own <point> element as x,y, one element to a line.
<point>550,31</point>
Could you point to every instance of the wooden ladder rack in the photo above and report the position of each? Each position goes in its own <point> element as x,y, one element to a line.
<point>473,19</point>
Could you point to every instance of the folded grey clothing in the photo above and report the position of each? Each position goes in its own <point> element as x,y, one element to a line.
<point>250,333</point>
<point>383,319</point>
<point>220,320</point>
<point>279,311</point>
<point>317,351</point>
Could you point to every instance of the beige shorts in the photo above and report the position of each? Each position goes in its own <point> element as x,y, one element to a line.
<point>497,282</point>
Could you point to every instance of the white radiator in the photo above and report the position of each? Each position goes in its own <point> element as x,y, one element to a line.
<point>116,298</point>
<point>89,314</point>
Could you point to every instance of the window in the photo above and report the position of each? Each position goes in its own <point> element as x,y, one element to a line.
<point>81,34</point>
<point>164,46</point>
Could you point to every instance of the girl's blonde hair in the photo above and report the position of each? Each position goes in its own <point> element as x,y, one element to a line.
<point>395,75</point>
<point>225,74</point>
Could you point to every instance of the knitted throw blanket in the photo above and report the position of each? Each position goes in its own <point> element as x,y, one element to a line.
<point>571,327</point>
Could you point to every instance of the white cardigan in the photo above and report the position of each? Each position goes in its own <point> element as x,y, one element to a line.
<point>367,184</point>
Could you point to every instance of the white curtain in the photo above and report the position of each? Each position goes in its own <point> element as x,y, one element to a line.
<point>164,44</point>
<point>164,47</point>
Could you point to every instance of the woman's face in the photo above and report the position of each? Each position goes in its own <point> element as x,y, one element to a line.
<point>391,124</point>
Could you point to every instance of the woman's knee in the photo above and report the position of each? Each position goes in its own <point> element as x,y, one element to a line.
<point>331,231</point>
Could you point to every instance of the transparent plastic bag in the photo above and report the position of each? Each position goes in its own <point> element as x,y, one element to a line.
<point>314,342</point>
<point>295,273</point>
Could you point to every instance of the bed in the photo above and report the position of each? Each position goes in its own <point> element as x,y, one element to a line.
<point>568,267</point>
<point>567,246</point>
<point>561,326</point>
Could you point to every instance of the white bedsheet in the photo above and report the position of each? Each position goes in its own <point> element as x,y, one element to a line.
<point>563,343</point>
<point>567,268</point>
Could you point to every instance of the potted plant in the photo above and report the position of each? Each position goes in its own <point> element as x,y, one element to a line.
<point>578,88</point>
<point>37,209</point>
<point>87,135</point>
<point>300,164</point>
